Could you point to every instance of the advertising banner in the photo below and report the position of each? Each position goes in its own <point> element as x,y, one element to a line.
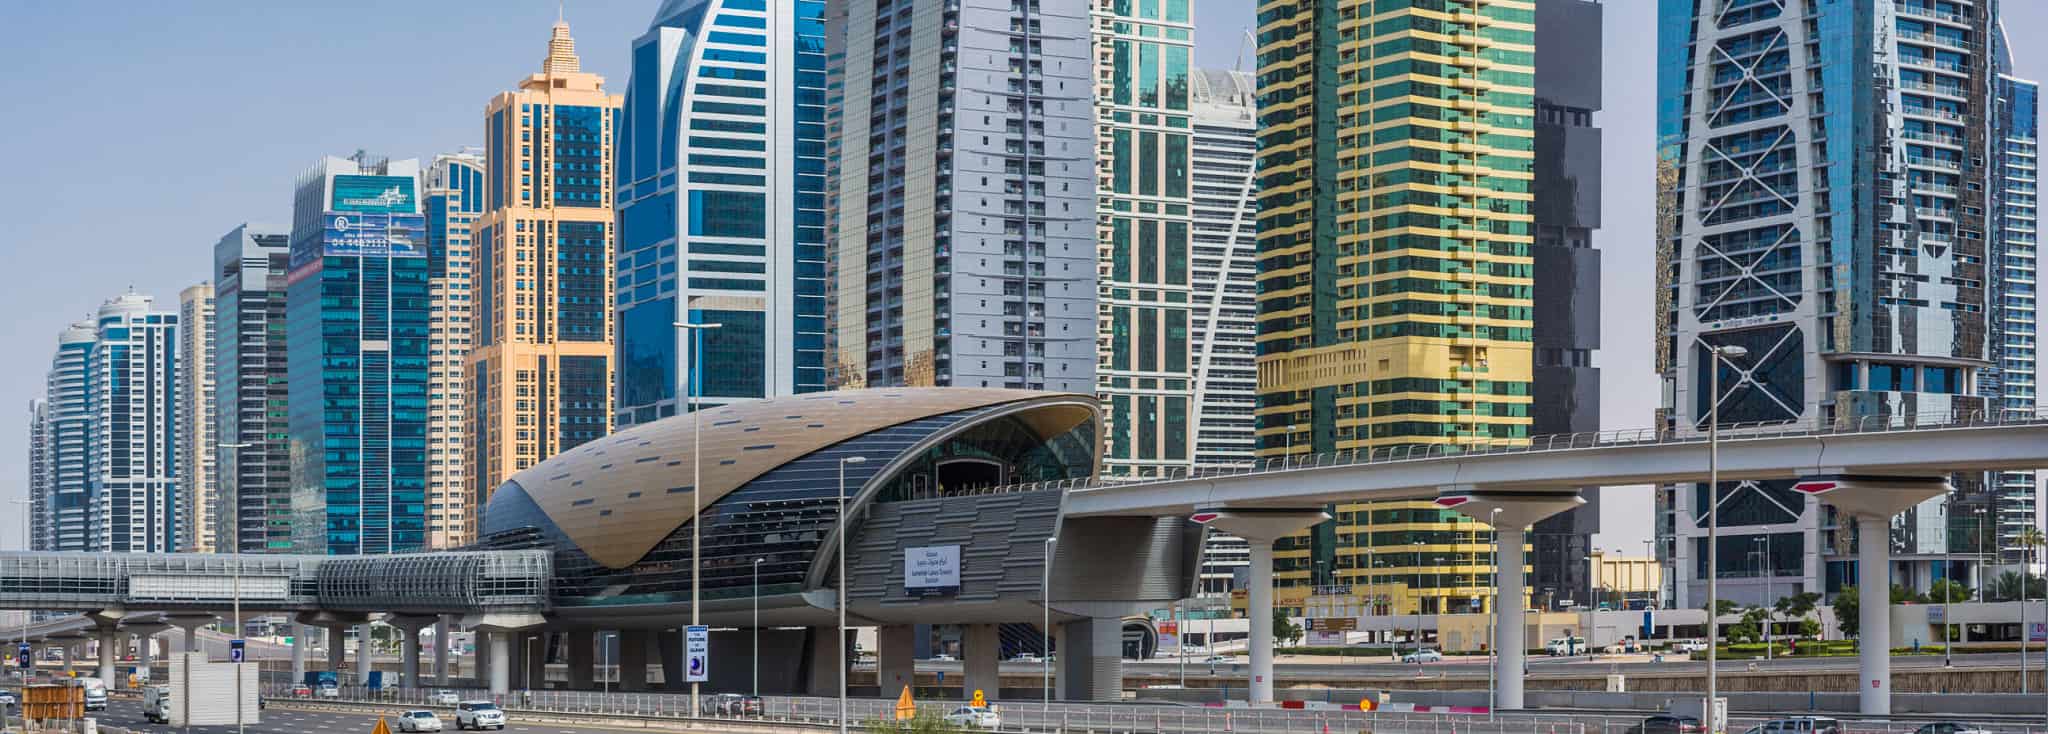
<point>1325,638</point>
<point>931,569</point>
<point>697,653</point>
<point>1169,638</point>
<point>374,194</point>
<point>374,235</point>
<point>2037,631</point>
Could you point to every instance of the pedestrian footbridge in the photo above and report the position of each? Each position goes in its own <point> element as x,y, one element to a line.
<point>455,582</point>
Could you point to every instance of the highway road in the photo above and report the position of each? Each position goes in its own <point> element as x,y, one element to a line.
<point>127,713</point>
<point>1538,665</point>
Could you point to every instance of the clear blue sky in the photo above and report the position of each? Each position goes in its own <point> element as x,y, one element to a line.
<point>138,133</point>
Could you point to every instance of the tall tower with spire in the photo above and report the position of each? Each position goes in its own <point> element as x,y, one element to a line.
<point>540,364</point>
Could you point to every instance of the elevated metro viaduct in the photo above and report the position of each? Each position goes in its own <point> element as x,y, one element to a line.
<point>995,473</point>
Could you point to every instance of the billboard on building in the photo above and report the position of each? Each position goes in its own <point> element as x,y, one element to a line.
<point>374,234</point>
<point>374,194</point>
<point>932,569</point>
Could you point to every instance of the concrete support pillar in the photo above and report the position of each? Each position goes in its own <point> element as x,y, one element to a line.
<point>191,626</point>
<point>364,657</point>
<point>69,650</point>
<point>500,662</point>
<point>145,651</point>
<point>669,646</point>
<point>482,657</point>
<point>1510,633</point>
<point>110,640</point>
<point>633,660</point>
<point>1259,616</point>
<point>337,637</point>
<point>895,663</point>
<point>1092,657</point>
<point>1259,528</point>
<point>299,645</point>
<point>983,653</point>
<point>440,651</point>
<point>1874,622</point>
<point>409,647</point>
<point>825,650</point>
<point>582,651</point>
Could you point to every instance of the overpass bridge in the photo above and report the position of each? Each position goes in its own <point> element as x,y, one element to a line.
<point>1870,469</point>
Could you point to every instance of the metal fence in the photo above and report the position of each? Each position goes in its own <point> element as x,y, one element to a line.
<point>1100,718</point>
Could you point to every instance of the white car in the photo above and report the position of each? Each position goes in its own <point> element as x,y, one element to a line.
<point>1026,657</point>
<point>976,716</point>
<point>421,720</point>
<point>7,699</point>
<point>1423,656</point>
<point>330,691</point>
<point>446,697</point>
<point>1689,646</point>
<point>479,715</point>
<point>1219,660</point>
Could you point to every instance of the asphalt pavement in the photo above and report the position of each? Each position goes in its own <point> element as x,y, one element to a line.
<point>127,714</point>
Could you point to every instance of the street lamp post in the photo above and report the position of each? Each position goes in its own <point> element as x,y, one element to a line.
<point>25,545</point>
<point>841,641</point>
<point>1493,623</point>
<point>1769,569</point>
<point>696,485</point>
<point>603,668</point>
<point>1650,556</point>
<point>1716,354</point>
<point>757,625</point>
<point>1045,629</point>
<point>235,576</point>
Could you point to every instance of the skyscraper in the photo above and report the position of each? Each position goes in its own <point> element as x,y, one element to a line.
<point>1223,258</point>
<point>357,312</point>
<point>65,509</point>
<point>453,199</point>
<point>1566,386</point>
<point>2014,186</point>
<point>131,425</point>
<point>39,474</point>
<point>200,500</point>
<point>1144,219</point>
<point>1395,236</point>
<point>540,367</point>
<point>1829,169</point>
<point>251,386</point>
<point>722,205</point>
<point>965,234</point>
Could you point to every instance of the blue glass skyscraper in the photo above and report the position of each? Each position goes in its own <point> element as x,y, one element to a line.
<point>721,201</point>
<point>1823,207</point>
<point>357,321</point>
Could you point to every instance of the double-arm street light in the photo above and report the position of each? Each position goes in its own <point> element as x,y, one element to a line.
<point>757,624</point>
<point>235,574</point>
<point>696,484</point>
<point>25,545</point>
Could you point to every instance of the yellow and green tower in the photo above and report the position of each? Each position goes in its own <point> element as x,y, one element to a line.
<point>1396,152</point>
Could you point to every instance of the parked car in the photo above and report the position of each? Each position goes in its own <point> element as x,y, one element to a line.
<point>1951,727</point>
<point>330,690</point>
<point>1668,724</point>
<point>7,699</point>
<point>479,715</point>
<point>1219,660</point>
<point>751,706</point>
<point>1027,657</point>
<point>1798,724</point>
<point>445,697</point>
<point>419,720</point>
<point>942,657</point>
<point>1424,655</point>
<point>980,717</point>
<point>301,690</point>
<point>1566,646</point>
<point>1689,646</point>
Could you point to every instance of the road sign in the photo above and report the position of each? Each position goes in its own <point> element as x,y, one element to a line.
<point>979,699</point>
<point>697,651</point>
<point>1367,704</point>
<point>1333,624</point>
<point>27,660</point>
<point>235,648</point>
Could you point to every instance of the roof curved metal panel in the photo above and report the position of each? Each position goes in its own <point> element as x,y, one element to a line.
<point>619,496</point>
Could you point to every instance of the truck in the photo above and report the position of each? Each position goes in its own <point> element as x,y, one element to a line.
<point>323,683</point>
<point>95,694</point>
<point>156,704</point>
